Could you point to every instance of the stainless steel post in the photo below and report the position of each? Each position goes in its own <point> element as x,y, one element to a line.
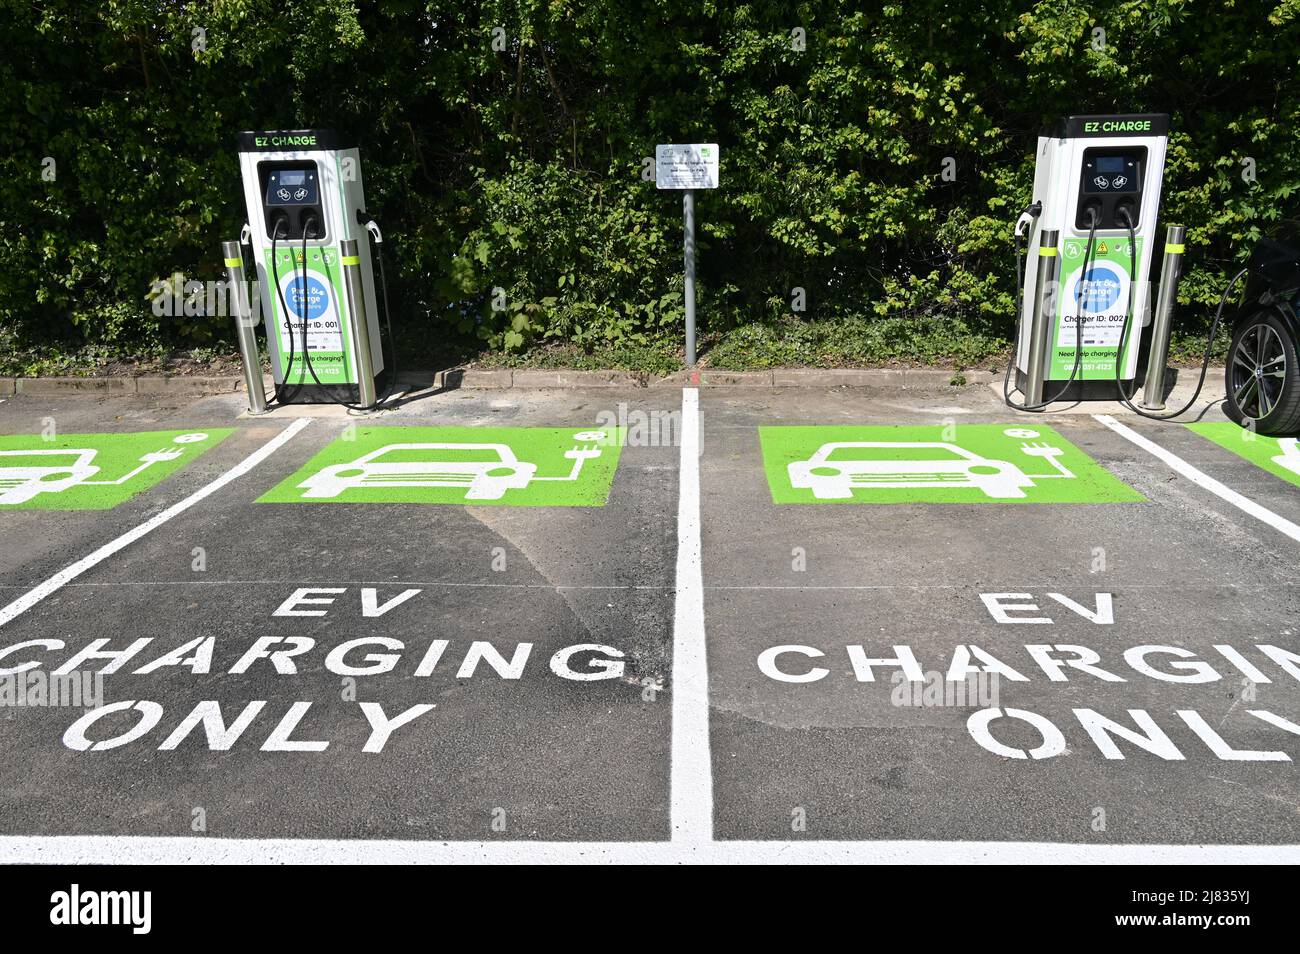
<point>245,326</point>
<point>688,222</point>
<point>359,330</point>
<point>1171,271</point>
<point>1044,308</point>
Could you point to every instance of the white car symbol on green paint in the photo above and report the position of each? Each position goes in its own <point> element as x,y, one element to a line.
<point>19,484</point>
<point>835,469</point>
<point>1290,456</point>
<point>487,471</point>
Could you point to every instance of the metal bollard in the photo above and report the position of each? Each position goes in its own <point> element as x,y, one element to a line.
<point>360,328</point>
<point>1171,271</point>
<point>1049,264</point>
<point>246,327</point>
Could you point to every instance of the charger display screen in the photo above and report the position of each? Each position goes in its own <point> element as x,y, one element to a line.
<point>1105,173</point>
<point>292,187</point>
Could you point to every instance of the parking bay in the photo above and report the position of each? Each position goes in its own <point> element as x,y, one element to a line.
<point>526,646</point>
<point>516,743</point>
<point>826,754</point>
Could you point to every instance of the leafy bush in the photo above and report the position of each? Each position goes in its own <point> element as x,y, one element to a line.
<point>504,145</point>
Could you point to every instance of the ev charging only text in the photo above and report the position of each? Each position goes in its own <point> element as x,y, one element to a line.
<point>1118,735</point>
<point>927,677</point>
<point>277,724</point>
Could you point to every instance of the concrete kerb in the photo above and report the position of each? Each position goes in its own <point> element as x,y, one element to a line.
<point>497,379</point>
<point>523,379</point>
<point>44,387</point>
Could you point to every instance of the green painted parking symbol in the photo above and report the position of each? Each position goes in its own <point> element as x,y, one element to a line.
<point>93,471</point>
<point>501,466</point>
<point>1277,455</point>
<point>970,463</point>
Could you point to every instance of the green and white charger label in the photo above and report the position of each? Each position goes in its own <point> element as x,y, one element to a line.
<point>315,298</point>
<point>93,471</point>
<point>969,463</point>
<point>499,466</point>
<point>1277,455</point>
<point>1101,299</point>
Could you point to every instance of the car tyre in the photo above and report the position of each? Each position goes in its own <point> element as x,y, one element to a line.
<point>1262,377</point>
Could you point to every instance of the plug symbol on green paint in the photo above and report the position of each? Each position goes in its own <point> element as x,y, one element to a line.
<point>577,454</point>
<point>1050,454</point>
<point>153,457</point>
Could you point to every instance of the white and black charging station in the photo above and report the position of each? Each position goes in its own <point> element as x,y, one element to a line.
<point>1096,190</point>
<point>307,229</point>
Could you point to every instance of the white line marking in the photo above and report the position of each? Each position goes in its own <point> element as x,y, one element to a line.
<point>134,849</point>
<point>691,792</point>
<point>692,786</point>
<point>1202,479</point>
<point>386,583</point>
<point>38,593</point>
<point>973,587</point>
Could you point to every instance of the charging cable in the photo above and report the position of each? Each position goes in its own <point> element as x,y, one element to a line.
<point>280,397</point>
<point>310,226</point>
<point>373,229</point>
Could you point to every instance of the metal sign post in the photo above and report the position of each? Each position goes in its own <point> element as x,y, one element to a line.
<point>688,289</point>
<point>687,167</point>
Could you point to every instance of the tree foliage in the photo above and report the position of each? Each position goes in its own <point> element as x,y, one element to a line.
<point>504,145</point>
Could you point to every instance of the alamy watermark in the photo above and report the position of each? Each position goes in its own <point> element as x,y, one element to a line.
<point>977,689</point>
<point>37,688</point>
<point>178,297</point>
<point>656,428</point>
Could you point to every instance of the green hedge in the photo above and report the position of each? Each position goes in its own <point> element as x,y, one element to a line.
<point>521,168</point>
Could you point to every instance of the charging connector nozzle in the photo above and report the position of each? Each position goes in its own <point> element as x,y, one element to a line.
<point>1027,219</point>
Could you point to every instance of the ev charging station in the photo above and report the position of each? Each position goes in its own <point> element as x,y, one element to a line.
<point>1096,190</point>
<point>307,230</point>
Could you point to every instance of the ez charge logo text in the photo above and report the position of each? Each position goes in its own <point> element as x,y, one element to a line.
<point>1117,125</point>
<point>263,141</point>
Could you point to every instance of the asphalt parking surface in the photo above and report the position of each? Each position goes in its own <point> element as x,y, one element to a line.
<point>529,648</point>
<point>839,758</point>
<point>526,756</point>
